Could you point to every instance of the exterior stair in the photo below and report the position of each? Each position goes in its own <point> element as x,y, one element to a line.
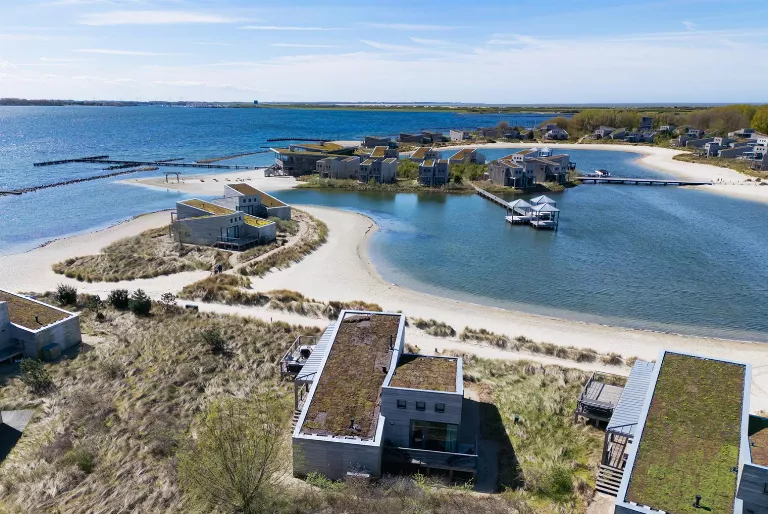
<point>295,420</point>
<point>609,480</point>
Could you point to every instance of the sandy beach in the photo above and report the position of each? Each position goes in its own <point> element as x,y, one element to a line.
<point>341,270</point>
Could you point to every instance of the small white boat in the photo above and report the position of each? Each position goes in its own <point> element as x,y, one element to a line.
<point>602,173</point>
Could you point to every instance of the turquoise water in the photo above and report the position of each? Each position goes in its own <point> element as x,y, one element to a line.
<point>655,258</point>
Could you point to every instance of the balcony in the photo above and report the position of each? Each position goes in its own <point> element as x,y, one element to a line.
<point>464,461</point>
<point>294,359</point>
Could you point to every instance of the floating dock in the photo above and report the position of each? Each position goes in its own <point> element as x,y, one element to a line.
<point>643,181</point>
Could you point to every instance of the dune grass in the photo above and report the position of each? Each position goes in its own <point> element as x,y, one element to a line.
<point>551,462</point>
<point>433,327</point>
<point>106,436</point>
<point>522,343</point>
<point>315,236</point>
<point>149,254</point>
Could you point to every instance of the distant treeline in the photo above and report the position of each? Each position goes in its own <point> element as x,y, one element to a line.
<point>720,120</point>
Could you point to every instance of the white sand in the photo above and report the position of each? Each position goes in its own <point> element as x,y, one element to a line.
<point>211,185</point>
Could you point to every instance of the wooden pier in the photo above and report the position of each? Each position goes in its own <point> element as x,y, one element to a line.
<point>643,181</point>
<point>493,198</point>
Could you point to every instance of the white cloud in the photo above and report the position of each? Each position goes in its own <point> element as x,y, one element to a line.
<point>431,42</point>
<point>392,48</point>
<point>153,18</point>
<point>182,83</point>
<point>689,25</point>
<point>301,45</point>
<point>61,60</point>
<point>108,51</point>
<point>284,27</point>
<point>5,65</point>
<point>411,26</point>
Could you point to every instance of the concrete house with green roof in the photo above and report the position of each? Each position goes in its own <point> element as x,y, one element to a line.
<point>691,449</point>
<point>34,329</point>
<point>370,405</point>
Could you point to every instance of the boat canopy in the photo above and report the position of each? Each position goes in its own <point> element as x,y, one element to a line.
<point>542,199</point>
<point>545,207</point>
<point>520,204</point>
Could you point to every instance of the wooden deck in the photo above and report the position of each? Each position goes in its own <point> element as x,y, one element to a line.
<point>493,198</point>
<point>643,181</point>
<point>598,399</point>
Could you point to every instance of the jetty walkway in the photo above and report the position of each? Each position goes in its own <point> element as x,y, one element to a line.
<point>104,159</point>
<point>493,198</point>
<point>644,181</point>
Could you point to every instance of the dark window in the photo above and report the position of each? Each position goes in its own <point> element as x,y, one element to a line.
<point>439,407</point>
<point>401,404</point>
<point>421,406</point>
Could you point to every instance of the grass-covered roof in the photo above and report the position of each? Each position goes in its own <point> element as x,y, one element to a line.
<point>425,372</point>
<point>23,311</point>
<point>690,443</point>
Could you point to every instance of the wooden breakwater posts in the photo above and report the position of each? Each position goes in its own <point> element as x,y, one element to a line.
<point>233,156</point>
<point>643,181</point>
<point>67,161</point>
<point>296,139</point>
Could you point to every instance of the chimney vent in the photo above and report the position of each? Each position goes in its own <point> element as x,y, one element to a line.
<point>697,502</point>
<point>37,320</point>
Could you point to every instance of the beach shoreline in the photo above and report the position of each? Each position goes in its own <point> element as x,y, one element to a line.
<point>342,269</point>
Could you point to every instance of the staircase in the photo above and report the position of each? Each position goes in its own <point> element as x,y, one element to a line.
<point>295,420</point>
<point>609,479</point>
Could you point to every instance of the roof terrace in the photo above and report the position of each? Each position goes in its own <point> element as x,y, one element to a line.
<point>758,438</point>
<point>31,314</point>
<point>346,399</point>
<point>690,438</point>
<point>425,372</point>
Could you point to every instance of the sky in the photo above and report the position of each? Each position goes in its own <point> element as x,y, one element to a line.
<point>482,51</point>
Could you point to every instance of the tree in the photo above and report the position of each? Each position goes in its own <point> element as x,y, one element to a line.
<point>141,303</point>
<point>214,340</point>
<point>34,374</point>
<point>236,459</point>
<point>760,119</point>
<point>168,300</point>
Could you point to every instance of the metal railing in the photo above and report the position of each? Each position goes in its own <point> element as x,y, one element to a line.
<point>288,357</point>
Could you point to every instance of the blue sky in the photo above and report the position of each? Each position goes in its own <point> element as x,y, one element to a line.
<point>513,51</point>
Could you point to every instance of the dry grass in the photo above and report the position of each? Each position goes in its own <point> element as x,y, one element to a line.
<point>522,343</point>
<point>124,405</point>
<point>433,327</point>
<point>423,372</point>
<point>315,236</point>
<point>147,255</point>
<point>348,388</point>
<point>30,314</point>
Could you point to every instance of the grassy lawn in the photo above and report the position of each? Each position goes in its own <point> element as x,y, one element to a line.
<point>147,255</point>
<point>422,372</point>
<point>691,438</point>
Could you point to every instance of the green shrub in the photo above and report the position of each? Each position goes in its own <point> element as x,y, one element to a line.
<point>34,374</point>
<point>65,294</point>
<point>140,304</point>
<point>119,299</point>
<point>80,457</point>
<point>214,340</point>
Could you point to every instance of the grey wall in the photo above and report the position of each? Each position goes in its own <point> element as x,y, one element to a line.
<point>5,326</point>
<point>284,212</point>
<point>397,426</point>
<point>334,457</point>
<point>729,153</point>
<point>265,234</point>
<point>65,333</point>
<point>751,488</point>
<point>202,231</point>
<point>185,211</point>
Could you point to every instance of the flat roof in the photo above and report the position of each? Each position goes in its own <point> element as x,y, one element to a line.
<point>207,206</point>
<point>758,438</point>
<point>425,372</point>
<point>379,151</point>
<point>368,161</point>
<point>462,153</point>
<point>245,189</point>
<point>346,396</point>
<point>429,163</point>
<point>626,416</point>
<point>22,311</point>
<point>419,153</point>
<point>690,437</point>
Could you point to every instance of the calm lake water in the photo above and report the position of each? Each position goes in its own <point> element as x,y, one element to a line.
<point>655,258</point>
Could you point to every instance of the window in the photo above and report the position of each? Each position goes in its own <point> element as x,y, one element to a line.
<point>440,437</point>
<point>439,407</point>
<point>421,406</point>
<point>401,404</point>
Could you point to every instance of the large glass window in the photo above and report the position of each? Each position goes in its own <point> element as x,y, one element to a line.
<point>428,435</point>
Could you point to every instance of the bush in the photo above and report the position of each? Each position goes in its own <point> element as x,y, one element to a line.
<point>80,457</point>
<point>119,299</point>
<point>65,294</point>
<point>140,303</point>
<point>92,302</point>
<point>214,340</point>
<point>168,300</point>
<point>34,374</point>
